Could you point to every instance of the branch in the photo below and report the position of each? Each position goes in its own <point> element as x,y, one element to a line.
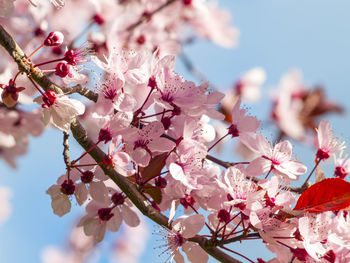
<point>88,93</point>
<point>82,138</point>
<point>20,58</point>
<point>66,149</point>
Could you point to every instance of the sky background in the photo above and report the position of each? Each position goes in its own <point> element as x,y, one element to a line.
<point>312,36</point>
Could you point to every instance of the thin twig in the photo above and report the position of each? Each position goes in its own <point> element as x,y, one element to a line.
<point>237,238</point>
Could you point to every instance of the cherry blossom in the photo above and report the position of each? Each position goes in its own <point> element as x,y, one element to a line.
<point>142,143</point>
<point>101,215</point>
<point>60,109</point>
<point>183,229</point>
<point>277,159</point>
<point>147,133</point>
<point>326,143</point>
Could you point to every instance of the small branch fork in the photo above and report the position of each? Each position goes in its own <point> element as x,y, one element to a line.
<point>96,153</point>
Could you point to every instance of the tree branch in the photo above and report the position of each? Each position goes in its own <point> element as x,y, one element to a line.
<point>66,149</point>
<point>82,138</point>
<point>20,58</point>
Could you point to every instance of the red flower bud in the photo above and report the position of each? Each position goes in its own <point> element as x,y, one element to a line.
<point>62,69</point>
<point>54,39</point>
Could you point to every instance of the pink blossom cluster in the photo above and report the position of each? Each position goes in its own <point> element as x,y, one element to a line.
<point>159,131</point>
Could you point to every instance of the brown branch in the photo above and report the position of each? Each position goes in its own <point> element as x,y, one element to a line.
<point>82,138</point>
<point>66,149</point>
<point>93,96</point>
<point>20,58</point>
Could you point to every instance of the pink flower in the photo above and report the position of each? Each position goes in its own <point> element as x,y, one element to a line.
<point>277,159</point>
<point>186,165</point>
<point>60,109</point>
<point>237,186</point>
<point>249,85</point>
<point>143,144</point>
<point>60,202</point>
<point>326,143</point>
<point>184,228</point>
<point>108,214</point>
<point>342,167</point>
<point>241,123</point>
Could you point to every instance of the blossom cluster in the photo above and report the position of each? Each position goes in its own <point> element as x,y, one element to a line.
<point>160,131</point>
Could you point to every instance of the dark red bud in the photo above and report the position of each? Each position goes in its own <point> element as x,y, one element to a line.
<point>54,39</point>
<point>160,182</point>
<point>224,215</point>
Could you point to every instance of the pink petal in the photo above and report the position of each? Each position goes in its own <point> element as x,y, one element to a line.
<point>258,167</point>
<point>130,217</point>
<point>99,192</point>
<point>195,253</point>
<point>192,225</point>
<point>114,223</point>
<point>141,157</point>
<point>81,193</point>
<point>161,145</point>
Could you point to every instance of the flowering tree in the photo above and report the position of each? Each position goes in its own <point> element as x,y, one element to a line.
<point>148,135</point>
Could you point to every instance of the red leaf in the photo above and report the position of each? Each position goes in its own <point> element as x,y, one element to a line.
<point>154,167</point>
<point>328,195</point>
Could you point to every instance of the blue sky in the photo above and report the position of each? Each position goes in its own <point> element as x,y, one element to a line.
<point>278,35</point>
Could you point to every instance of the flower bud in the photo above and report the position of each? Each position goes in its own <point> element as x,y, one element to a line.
<point>98,19</point>
<point>62,69</point>
<point>54,39</point>
<point>160,182</point>
<point>9,94</point>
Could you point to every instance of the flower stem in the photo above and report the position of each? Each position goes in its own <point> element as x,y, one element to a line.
<point>312,171</point>
<point>34,52</point>
<point>47,62</point>
<point>217,142</point>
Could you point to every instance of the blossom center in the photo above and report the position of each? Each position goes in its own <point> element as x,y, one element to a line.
<point>322,155</point>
